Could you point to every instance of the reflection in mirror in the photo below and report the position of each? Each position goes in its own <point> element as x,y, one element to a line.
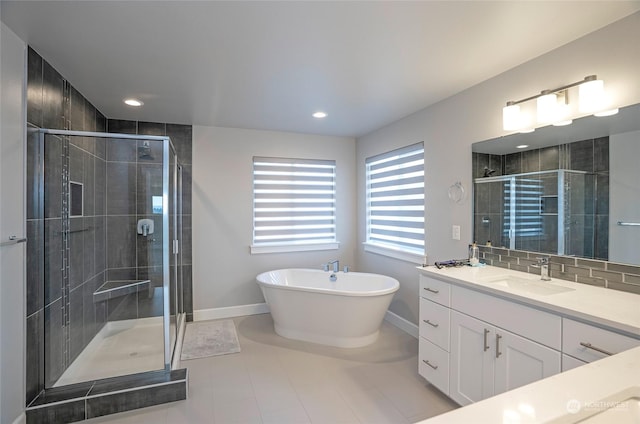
<point>571,191</point>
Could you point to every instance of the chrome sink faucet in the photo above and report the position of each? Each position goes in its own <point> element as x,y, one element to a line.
<point>543,263</point>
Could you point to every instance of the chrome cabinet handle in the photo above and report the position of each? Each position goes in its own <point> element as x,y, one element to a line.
<point>498,353</point>
<point>486,345</point>
<point>429,289</point>
<point>435,367</point>
<point>430,323</point>
<point>14,240</point>
<point>597,349</point>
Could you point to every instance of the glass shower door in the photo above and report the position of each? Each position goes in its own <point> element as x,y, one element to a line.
<point>104,255</point>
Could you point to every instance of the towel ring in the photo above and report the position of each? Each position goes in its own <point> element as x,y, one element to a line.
<point>456,192</point>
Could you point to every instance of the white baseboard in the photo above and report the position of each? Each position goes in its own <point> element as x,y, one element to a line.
<point>230,312</point>
<point>22,419</point>
<point>404,325</point>
<point>262,308</point>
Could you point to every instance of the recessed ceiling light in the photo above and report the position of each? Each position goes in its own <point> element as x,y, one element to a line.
<point>133,102</point>
<point>319,115</point>
<point>522,146</point>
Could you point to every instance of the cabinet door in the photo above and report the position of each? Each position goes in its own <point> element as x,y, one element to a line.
<point>471,361</point>
<point>520,361</point>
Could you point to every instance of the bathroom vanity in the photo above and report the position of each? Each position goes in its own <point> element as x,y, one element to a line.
<point>488,330</point>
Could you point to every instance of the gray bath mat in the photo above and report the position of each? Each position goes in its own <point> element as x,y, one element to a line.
<point>209,338</point>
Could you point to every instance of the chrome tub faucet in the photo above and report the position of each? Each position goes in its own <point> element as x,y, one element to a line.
<point>336,265</point>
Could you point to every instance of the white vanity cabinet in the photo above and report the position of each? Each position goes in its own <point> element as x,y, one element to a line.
<point>485,358</point>
<point>474,345</point>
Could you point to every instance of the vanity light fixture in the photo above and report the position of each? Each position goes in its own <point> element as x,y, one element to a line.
<point>553,105</point>
<point>522,146</point>
<point>319,115</point>
<point>133,102</point>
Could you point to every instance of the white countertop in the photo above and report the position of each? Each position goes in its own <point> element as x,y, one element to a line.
<point>568,397</point>
<point>610,308</point>
<point>587,392</point>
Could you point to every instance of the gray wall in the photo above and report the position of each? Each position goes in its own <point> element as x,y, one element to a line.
<point>624,177</point>
<point>450,127</point>
<point>12,204</point>
<point>224,270</point>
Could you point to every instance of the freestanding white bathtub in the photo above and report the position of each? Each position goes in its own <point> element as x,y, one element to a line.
<point>306,305</point>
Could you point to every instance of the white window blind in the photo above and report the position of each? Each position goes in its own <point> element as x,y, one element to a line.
<point>293,201</point>
<point>395,199</point>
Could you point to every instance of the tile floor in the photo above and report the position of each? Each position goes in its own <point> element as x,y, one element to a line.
<point>280,381</point>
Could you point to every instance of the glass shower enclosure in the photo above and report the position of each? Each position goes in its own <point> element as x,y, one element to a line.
<point>548,211</point>
<point>110,259</point>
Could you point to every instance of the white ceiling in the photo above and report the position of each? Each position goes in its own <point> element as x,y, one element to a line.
<point>270,65</point>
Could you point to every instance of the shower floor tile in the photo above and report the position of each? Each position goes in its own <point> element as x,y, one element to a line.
<point>120,348</point>
<point>277,380</point>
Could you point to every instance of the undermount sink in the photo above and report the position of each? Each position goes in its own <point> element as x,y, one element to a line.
<point>621,408</point>
<point>539,287</point>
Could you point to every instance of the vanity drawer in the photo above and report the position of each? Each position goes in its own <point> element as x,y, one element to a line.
<point>433,365</point>
<point>534,324</point>
<point>589,343</point>
<point>435,290</point>
<point>434,323</point>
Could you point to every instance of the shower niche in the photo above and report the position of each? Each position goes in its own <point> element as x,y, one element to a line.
<point>112,294</point>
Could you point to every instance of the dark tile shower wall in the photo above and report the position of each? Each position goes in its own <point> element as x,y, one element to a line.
<point>67,311</point>
<point>181,137</point>
<point>61,316</point>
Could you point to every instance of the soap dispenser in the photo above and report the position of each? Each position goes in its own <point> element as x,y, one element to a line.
<point>474,254</point>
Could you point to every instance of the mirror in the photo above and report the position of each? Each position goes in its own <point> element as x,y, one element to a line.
<point>574,190</point>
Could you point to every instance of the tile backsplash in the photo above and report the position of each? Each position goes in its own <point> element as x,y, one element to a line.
<point>586,271</point>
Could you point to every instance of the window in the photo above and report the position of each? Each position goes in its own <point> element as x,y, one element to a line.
<point>294,205</point>
<point>395,203</point>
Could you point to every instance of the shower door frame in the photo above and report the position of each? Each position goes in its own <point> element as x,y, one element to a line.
<point>171,240</point>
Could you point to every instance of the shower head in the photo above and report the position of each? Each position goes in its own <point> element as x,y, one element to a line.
<point>144,151</point>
